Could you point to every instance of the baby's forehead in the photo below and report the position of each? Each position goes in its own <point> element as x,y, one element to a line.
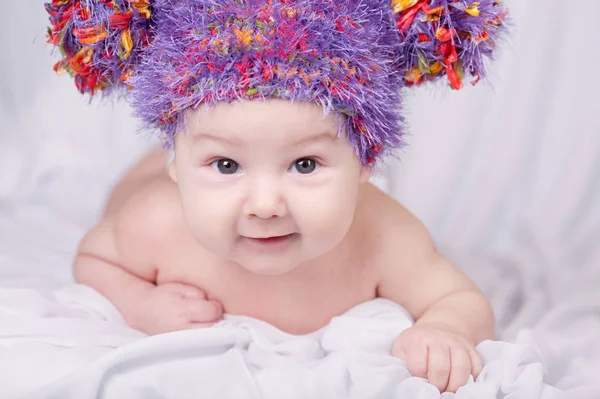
<point>277,120</point>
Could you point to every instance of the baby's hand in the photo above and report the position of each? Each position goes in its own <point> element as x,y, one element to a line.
<point>173,307</point>
<point>440,355</point>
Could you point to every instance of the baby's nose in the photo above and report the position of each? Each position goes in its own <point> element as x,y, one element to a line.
<point>265,200</point>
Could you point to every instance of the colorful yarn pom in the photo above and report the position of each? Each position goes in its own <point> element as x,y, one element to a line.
<point>447,38</point>
<point>100,41</point>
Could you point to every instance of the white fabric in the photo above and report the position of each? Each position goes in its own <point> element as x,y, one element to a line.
<point>71,343</point>
<point>505,175</point>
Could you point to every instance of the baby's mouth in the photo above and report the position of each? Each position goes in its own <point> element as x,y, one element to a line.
<point>271,240</point>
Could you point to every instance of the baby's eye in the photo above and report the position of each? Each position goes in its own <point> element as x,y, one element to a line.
<point>225,166</point>
<point>304,166</point>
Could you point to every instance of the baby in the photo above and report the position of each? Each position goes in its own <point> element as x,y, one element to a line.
<point>266,209</point>
<point>265,212</point>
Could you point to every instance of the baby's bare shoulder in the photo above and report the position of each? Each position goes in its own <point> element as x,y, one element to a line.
<point>395,236</point>
<point>410,270</point>
<point>383,215</point>
<point>150,217</point>
<point>135,234</point>
<point>155,205</point>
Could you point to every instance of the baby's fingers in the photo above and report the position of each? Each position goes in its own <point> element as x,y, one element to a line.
<point>460,368</point>
<point>476,363</point>
<point>187,291</point>
<point>439,366</point>
<point>201,311</point>
<point>416,361</point>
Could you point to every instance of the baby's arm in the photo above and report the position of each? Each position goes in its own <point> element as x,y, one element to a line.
<point>451,314</point>
<point>432,289</point>
<point>99,264</point>
<point>118,259</point>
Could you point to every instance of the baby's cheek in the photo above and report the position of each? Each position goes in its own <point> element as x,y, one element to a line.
<point>211,233</point>
<point>325,220</point>
<point>207,216</point>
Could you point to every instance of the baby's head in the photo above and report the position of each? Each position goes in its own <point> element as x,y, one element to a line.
<point>268,70</point>
<point>253,170</point>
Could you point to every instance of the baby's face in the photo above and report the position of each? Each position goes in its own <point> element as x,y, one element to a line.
<point>268,185</point>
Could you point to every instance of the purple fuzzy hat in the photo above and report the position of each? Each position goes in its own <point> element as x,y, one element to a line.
<point>349,56</point>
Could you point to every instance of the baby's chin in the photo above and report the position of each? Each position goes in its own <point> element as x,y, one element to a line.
<point>267,262</point>
<point>263,259</point>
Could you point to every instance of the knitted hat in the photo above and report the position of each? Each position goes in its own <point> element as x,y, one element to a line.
<point>349,56</point>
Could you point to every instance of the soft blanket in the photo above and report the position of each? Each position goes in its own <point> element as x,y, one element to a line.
<point>66,341</point>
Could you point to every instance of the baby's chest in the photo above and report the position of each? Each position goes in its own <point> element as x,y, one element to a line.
<point>297,310</point>
<point>295,306</point>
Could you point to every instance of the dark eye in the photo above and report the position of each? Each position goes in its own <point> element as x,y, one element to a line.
<point>225,166</point>
<point>304,166</point>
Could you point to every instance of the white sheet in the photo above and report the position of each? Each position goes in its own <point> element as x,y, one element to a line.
<point>69,342</point>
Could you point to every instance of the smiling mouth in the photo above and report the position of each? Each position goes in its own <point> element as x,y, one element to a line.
<point>271,240</point>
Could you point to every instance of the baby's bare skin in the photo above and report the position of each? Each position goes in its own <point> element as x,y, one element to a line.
<point>235,185</point>
<point>144,209</point>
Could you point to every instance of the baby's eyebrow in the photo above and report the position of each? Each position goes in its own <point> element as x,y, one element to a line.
<point>216,137</point>
<point>311,138</point>
<point>323,136</point>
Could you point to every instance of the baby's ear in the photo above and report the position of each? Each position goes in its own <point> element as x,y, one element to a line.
<point>172,169</point>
